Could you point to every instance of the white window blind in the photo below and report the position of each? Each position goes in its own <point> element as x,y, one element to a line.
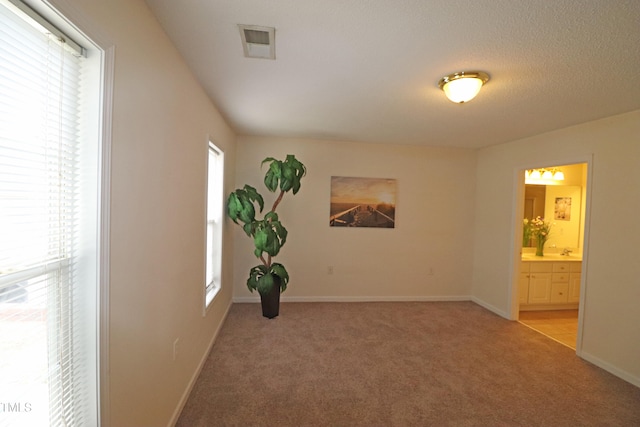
<point>42,370</point>
<point>214,223</point>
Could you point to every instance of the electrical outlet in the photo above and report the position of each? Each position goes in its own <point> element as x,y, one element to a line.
<point>176,348</point>
<point>330,269</point>
<point>430,273</point>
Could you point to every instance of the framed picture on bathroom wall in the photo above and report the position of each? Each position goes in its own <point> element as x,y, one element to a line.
<point>362,202</point>
<point>562,209</point>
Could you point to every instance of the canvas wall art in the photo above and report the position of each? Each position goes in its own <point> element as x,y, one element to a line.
<point>562,209</point>
<point>362,202</point>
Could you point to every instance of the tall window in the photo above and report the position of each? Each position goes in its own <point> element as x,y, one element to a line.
<point>214,222</point>
<point>48,211</point>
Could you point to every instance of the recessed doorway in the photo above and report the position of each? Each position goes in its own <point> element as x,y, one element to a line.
<point>549,285</point>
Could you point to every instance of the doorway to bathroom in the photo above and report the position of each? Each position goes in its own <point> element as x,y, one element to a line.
<point>551,253</point>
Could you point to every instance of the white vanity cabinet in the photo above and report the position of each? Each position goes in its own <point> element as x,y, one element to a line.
<point>540,275</point>
<point>549,284</point>
<point>575,276</point>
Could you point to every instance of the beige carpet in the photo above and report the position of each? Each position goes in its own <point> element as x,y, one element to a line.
<point>398,364</point>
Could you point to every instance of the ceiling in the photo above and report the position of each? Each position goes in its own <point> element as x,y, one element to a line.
<point>368,70</point>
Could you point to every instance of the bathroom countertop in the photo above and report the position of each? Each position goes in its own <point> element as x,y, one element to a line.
<point>551,257</point>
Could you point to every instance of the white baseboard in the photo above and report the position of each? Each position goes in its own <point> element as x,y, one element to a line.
<point>628,377</point>
<point>196,374</point>
<point>490,307</point>
<point>256,299</point>
<point>624,375</point>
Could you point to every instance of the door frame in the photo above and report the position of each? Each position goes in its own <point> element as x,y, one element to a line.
<point>518,212</point>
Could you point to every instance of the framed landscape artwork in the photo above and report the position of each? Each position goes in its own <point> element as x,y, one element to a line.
<point>362,202</point>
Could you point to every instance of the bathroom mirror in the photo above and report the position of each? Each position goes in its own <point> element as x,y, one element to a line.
<point>560,205</point>
<point>534,200</point>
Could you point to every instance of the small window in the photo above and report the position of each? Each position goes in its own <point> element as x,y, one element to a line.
<point>215,213</point>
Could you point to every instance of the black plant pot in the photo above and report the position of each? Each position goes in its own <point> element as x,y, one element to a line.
<point>271,300</point>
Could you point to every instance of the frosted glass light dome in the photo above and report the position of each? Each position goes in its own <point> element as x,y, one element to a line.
<point>464,86</point>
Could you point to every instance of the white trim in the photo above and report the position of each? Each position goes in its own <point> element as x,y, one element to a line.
<point>585,255</point>
<point>513,303</point>
<point>627,376</point>
<point>255,299</point>
<point>194,377</point>
<point>213,287</point>
<point>46,26</point>
<point>104,267</point>
<point>491,308</point>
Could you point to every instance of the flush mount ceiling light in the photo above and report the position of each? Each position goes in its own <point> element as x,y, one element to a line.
<point>463,86</point>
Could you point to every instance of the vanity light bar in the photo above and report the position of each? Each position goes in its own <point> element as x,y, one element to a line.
<point>542,173</point>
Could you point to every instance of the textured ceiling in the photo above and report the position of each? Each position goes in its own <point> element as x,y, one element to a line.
<point>368,70</point>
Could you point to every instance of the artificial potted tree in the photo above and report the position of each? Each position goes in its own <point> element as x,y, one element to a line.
<point>269,235</point>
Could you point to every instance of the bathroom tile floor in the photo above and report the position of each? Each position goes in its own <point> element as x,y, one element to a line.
<point>560,325</point>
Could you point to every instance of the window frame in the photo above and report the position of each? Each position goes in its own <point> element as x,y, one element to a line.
<point>214,218</point>
<point>97,107</point>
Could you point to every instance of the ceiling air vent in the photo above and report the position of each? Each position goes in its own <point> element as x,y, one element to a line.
<point>258,42</point>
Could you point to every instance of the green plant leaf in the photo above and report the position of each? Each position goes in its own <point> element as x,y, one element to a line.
<point>271,216</point>
<point>298,170</point>
<point>255,274</point>
<point>288,177</point>
<point>247,212</point>
<point>260,240</point>
<point>233,207</point>
<point>240,204</point>
<point>248,228</point>
<point>285,175</point>
<point>280,231</point>
<point>265,283</point>
<point>268,159</point>
<point>269,236</point>
<point>279,270</point>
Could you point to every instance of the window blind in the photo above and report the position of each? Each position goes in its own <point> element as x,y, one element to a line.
<point>40,81</point>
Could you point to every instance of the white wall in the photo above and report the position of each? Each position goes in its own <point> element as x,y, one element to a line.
<point>161,122</point>
<point>161,119</point>
<point>611,327</point>
<point>434,222</point>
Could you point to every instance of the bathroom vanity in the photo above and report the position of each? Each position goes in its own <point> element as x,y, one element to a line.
<point>549,283</point>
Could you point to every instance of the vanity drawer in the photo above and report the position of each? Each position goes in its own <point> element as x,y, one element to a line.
<point>560,277</point>
<point>575,267</point>
<point>541,267</point>
<point>559,292</point>
<point>561,267</point>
